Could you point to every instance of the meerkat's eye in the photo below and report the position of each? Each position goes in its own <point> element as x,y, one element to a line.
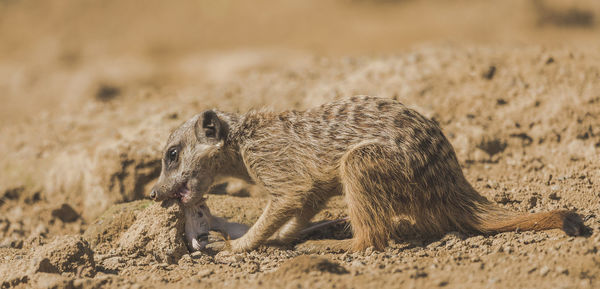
<point>172,155</point>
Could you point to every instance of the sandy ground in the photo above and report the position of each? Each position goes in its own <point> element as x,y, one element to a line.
<point>86,110</point>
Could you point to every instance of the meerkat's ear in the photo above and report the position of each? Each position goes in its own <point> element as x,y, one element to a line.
<point>210,127</point>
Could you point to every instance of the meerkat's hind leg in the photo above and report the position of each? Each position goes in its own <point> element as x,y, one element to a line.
<point>375,187</point>
<point>374,184</point>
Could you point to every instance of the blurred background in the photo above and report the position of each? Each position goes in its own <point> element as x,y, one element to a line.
<point>46,46</point>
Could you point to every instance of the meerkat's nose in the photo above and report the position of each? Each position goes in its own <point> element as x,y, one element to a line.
<point>153,194</point>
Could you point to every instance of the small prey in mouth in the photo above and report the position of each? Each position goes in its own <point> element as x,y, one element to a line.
<point>183,193</point>
<point>199,223</point>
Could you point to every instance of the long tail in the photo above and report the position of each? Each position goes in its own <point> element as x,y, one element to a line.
<point>493,219</point>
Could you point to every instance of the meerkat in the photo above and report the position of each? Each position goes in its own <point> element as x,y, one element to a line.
<point>386,159</point>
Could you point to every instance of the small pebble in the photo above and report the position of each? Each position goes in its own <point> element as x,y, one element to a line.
<point>544,271</point>
<point>205,273</point>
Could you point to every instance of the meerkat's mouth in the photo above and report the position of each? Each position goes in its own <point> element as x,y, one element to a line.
<point>183,194</point>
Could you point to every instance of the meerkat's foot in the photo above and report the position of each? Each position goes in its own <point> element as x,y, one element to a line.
<point>325,246</point>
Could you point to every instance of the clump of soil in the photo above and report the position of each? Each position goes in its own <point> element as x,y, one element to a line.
<point>65,213</point>
<point>297,267</point>
<point>66,254</point>
<point>113,223</point>
<point>157,231</point>
<point>69,256</point>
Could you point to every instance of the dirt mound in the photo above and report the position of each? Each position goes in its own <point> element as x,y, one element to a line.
<point>157,231</point>
<point>143,227</point>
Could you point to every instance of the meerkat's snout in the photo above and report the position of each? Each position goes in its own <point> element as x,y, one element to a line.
<point>153,194</point>
<point>157,195</point>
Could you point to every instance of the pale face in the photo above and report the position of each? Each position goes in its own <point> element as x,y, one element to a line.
<point>188,166</point>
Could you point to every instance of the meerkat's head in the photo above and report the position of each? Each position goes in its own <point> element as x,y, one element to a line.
<point>191,159</point>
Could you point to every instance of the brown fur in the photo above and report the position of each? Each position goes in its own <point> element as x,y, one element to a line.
<point>386,159</point>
